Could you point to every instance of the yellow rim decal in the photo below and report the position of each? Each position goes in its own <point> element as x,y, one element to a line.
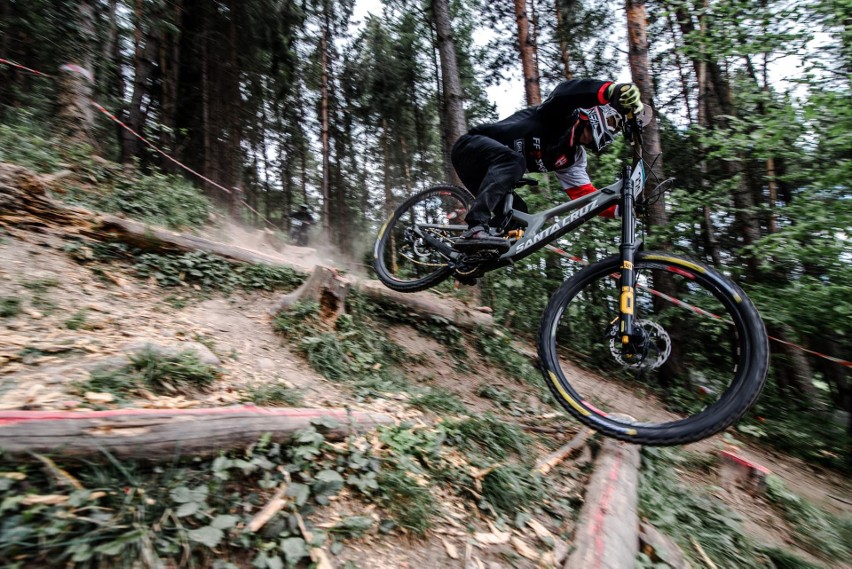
<point>630,432</point>
<point>382,230</point>
<point>738,298</point>
<point>565,395</point>
<point>693,266</point>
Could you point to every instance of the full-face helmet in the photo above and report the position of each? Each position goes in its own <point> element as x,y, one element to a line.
<point>604,123</point>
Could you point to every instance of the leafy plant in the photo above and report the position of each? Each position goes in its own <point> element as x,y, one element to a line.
<point>77,320</point>
<point>815,529</point>
<point>9,307</point>
<point>687,515</point>
<point>274,395</point>
<point>161,373</point>
<point>179,373</point>
<point>439,400</point>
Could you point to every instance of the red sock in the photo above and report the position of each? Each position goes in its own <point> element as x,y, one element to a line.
<point>585,189</point>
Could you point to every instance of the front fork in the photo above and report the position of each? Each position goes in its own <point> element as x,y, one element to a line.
<point>629,247</point>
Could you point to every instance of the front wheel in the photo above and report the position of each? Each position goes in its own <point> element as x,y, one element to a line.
<point>405,256</point>
<point>696,364</point>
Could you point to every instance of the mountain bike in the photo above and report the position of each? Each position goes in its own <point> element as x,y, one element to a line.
<point>681,351</point>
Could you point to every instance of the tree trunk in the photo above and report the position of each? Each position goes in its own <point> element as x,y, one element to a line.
<point>532,82</point>
<point>326,167</point>
<point>145,49</point>
<point>637,40</point>
<point>154,434</point>
<point>564,55</point>
<point>607,533</point>
<point>453,99</point>
<point>169,67</point>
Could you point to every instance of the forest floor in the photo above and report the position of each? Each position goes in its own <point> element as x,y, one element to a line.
<point>42,356</point>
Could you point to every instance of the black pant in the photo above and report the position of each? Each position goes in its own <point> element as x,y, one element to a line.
<point>489,170</point>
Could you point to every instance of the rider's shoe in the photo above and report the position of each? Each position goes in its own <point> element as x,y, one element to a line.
<point>478,238</point>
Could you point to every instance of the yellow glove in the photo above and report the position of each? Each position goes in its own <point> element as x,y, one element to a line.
<point>626,97</point>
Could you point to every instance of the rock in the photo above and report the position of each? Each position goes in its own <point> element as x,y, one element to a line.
<point>266,364</point>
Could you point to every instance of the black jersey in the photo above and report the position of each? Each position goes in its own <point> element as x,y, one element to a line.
<point>540,133</point>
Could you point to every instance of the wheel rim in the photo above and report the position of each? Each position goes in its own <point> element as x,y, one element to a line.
<point>694,365</point>
<point>405,255</point>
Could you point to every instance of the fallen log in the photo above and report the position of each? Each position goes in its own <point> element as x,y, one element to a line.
<point>147,237</point>
<point>25,201</point>
<point>426,303</point>
<point>607,535</point>
<point>154,434</point>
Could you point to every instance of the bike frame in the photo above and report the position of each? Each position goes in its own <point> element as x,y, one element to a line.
<point>548,226</point>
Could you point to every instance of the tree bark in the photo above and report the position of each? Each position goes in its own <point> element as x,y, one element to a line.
<point>453,99</point>
<point>527,47</point>
<point>326,196</point>
<point>154,434</point>
<point>564,55</point>
<point>637,39</point>
<point>607,535</point>
<point>145,50</point>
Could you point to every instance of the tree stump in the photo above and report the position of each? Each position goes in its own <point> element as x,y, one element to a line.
<point>325,287</point>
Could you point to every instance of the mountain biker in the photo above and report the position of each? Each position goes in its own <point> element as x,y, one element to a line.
<point>299,230</point>
<point>550,137</point>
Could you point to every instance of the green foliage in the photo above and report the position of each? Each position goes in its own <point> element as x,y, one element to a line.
<point>438,400</point>
<point>158,372</point>
<point>170,201</point>
<point>179,373</point>
<point>77,320</point>
<point>22,144</point>
<point>815,529</point>
<point>810,434</point>
<point>488,434</point>
<point>212,272</point>
<point>128,514</point>
<point>685,514</point>
<point>198,268</point>
<point>507,487</point>
<point>354,351</point>
<point>9,307</point>
<point>274,395</point>
<point>498,349</point>
<point>40,286</point>
<point>153,198</point>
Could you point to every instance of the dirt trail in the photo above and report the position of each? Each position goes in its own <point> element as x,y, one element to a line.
<point>40,358</point>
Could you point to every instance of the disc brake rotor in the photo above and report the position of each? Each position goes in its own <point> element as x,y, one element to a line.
<point>657,349</point>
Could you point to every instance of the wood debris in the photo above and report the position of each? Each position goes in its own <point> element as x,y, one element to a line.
<point>275,505</point>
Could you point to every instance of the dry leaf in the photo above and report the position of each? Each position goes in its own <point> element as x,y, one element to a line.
<point>452,551</point>
<point>542,532</point>
<point>101,398</point>
<point>524,549</point>
<point>493,538</point>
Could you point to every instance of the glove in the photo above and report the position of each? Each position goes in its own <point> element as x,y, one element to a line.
<point>625,97</point>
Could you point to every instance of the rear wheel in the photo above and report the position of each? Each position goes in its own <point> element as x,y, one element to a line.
<point>695,366</point>
<point>403,257</point>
